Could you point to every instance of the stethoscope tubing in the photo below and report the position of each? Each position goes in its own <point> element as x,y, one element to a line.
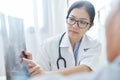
<point>59,51</point>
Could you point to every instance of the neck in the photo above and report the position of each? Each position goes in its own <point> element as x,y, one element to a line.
<point>74,41</point>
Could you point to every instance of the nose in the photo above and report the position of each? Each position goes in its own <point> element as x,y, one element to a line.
<point>76,25</point>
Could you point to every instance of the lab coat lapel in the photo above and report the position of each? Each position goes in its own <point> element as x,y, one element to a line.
<point>65,41</point>
<point>67,53</point>
<point>84,46</point>
<point>80,50</point>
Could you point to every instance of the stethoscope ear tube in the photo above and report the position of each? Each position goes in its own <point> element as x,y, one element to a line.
<point>59,51</point>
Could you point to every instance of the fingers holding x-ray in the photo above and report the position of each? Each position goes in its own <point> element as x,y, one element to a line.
<point>26,54</point>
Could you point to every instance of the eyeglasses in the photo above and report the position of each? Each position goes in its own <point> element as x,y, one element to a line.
<point>80,23</point>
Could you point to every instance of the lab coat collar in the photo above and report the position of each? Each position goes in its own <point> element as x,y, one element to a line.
<point>65,41</point>
<point>86,42</point>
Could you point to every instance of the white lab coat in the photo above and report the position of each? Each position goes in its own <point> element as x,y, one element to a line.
<point>88,53</point>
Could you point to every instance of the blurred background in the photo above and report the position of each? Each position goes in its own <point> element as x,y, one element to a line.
<point>37,20</point>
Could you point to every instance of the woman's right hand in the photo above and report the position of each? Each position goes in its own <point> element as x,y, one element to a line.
<point>26,54</point>
<point>33,67</point>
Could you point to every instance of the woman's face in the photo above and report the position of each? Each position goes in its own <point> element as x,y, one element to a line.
<point>77,30</point>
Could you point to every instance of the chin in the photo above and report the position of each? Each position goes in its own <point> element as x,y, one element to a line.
<point>111,58</point>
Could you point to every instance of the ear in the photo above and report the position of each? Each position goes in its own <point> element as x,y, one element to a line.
<point>91,26</point>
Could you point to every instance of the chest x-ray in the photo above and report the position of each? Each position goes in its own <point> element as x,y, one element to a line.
<point>14,43</point>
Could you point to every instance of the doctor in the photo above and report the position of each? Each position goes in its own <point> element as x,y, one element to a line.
<point>71,52</point>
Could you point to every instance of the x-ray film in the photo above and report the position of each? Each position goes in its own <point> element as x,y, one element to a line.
<point>14,44</point>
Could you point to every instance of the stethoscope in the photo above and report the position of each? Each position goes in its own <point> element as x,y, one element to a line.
<point>60,58</point>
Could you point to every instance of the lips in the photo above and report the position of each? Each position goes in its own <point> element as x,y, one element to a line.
<point>74,32</point>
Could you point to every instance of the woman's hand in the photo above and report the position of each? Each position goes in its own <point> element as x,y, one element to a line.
<point>26,55</point>
<point>34,68</point>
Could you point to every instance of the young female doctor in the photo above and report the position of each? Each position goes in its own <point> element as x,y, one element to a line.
<point>72,51</point>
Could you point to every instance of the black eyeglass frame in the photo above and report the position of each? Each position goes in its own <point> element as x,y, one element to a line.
<point>86,23</point>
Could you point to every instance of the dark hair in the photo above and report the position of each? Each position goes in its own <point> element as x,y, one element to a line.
<point>87,5</point>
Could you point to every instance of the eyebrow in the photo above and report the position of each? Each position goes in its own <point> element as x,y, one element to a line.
<point>79,18</point>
